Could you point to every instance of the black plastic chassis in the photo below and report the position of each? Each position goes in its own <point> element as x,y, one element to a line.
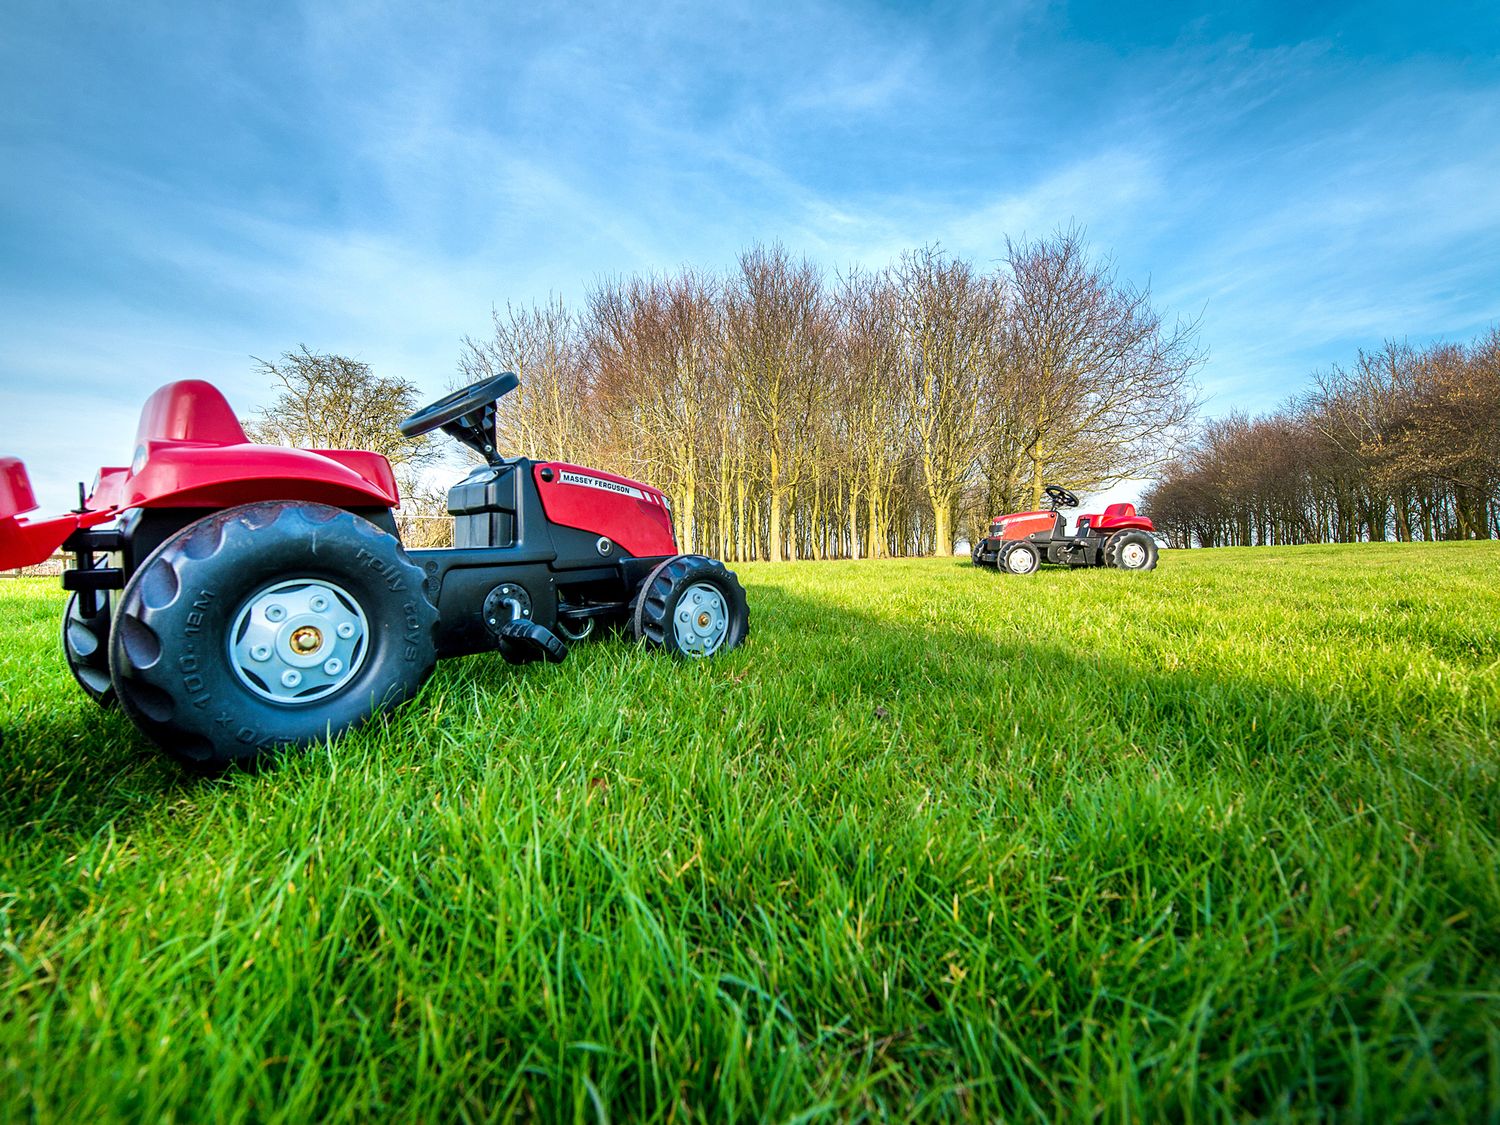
<point>567,575</point>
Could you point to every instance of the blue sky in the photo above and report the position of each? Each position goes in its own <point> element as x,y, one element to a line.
<point>187,185</point>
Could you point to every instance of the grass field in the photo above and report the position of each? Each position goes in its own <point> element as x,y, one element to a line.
<point>1214,842</point>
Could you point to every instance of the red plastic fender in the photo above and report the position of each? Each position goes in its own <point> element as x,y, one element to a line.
<point>633,514</point>
<point>1123,523</point>
<point>191,453</point>
<point>1120,517</point>
<point>188,475</point>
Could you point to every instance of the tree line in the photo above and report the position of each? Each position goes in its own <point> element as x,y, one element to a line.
<point>790,415</point>
<point>1404,444</point>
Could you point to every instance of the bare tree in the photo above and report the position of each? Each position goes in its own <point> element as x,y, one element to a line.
<point>777,334</point>
<point>791,419</point>
<point>1404,443</point>
<point>334,402</point>
<point>865,410</point>
<point>1108,384</point>
<point>948,354</point>
<point>548,414</point>
<point>655,342</point>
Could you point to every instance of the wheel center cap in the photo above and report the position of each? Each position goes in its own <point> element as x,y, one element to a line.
<point>306,640</point>
<point>703,620</point>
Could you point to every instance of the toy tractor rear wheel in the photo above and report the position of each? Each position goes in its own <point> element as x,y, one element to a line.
<point>1130,550</point>
<point>692,606</point>
<point>269,625</point>
<point>85,640</point>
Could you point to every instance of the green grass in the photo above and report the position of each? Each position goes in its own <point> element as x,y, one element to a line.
<point>1215,842</point>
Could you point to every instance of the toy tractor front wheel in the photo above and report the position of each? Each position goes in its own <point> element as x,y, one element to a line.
<point>85,638</point>
<point>1020,558</point>
<point>692,606</point>
<point>269,625</point>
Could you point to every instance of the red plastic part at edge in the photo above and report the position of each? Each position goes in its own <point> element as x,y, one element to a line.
<point>16,496</point>
<point>26,542</point>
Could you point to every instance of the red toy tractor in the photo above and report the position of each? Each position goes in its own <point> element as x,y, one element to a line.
<point>1021,542</point>
<point>234,598</point>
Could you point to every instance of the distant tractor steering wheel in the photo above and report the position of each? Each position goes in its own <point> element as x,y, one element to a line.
<point>450,408</point>
<point>1060,497</point>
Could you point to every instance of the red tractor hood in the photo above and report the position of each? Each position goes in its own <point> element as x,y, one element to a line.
<point>632,514</point>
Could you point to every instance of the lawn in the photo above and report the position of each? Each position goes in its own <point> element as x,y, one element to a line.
<point>1214,842</point>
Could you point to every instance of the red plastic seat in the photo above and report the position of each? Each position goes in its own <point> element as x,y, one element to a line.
<point>1120,517</point>
<point>189,410</point>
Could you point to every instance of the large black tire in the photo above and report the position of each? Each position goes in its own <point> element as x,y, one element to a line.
<point>708,593</point>
<point>218,629</point>
<point>1130,550</point>
<point>85,640</point>
<point>1020,558</point>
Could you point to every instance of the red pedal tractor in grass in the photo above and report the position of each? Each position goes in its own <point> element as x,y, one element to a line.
<point>1022,541</point>
<point>235,598</point>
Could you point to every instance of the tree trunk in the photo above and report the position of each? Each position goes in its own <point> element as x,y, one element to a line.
<point>816,529</point>
<point>740,554</point>
<point>689,530</point>
<point>777,545</point>
<point>942,521</point>
<point>1403,519</point>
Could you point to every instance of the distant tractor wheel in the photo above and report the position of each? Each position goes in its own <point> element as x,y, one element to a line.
<point>1021,558</point>
<point>976,552</point>
<point>1130,550</point>
<point>692,606</point>
<point>86,647</point>
<point>269,625</point>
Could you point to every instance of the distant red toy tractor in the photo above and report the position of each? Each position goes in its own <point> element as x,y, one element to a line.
<point>1021,542</point>
<point>235,598</point>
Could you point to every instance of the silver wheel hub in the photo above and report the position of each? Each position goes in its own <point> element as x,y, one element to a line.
<point>298,642</point>
<point>701,619</point>
<point>1133,556</point>
<point>1020,562</point>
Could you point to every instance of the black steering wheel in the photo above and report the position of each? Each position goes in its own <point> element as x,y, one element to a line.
<point>1060,497</point>
<point>450,408</point>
